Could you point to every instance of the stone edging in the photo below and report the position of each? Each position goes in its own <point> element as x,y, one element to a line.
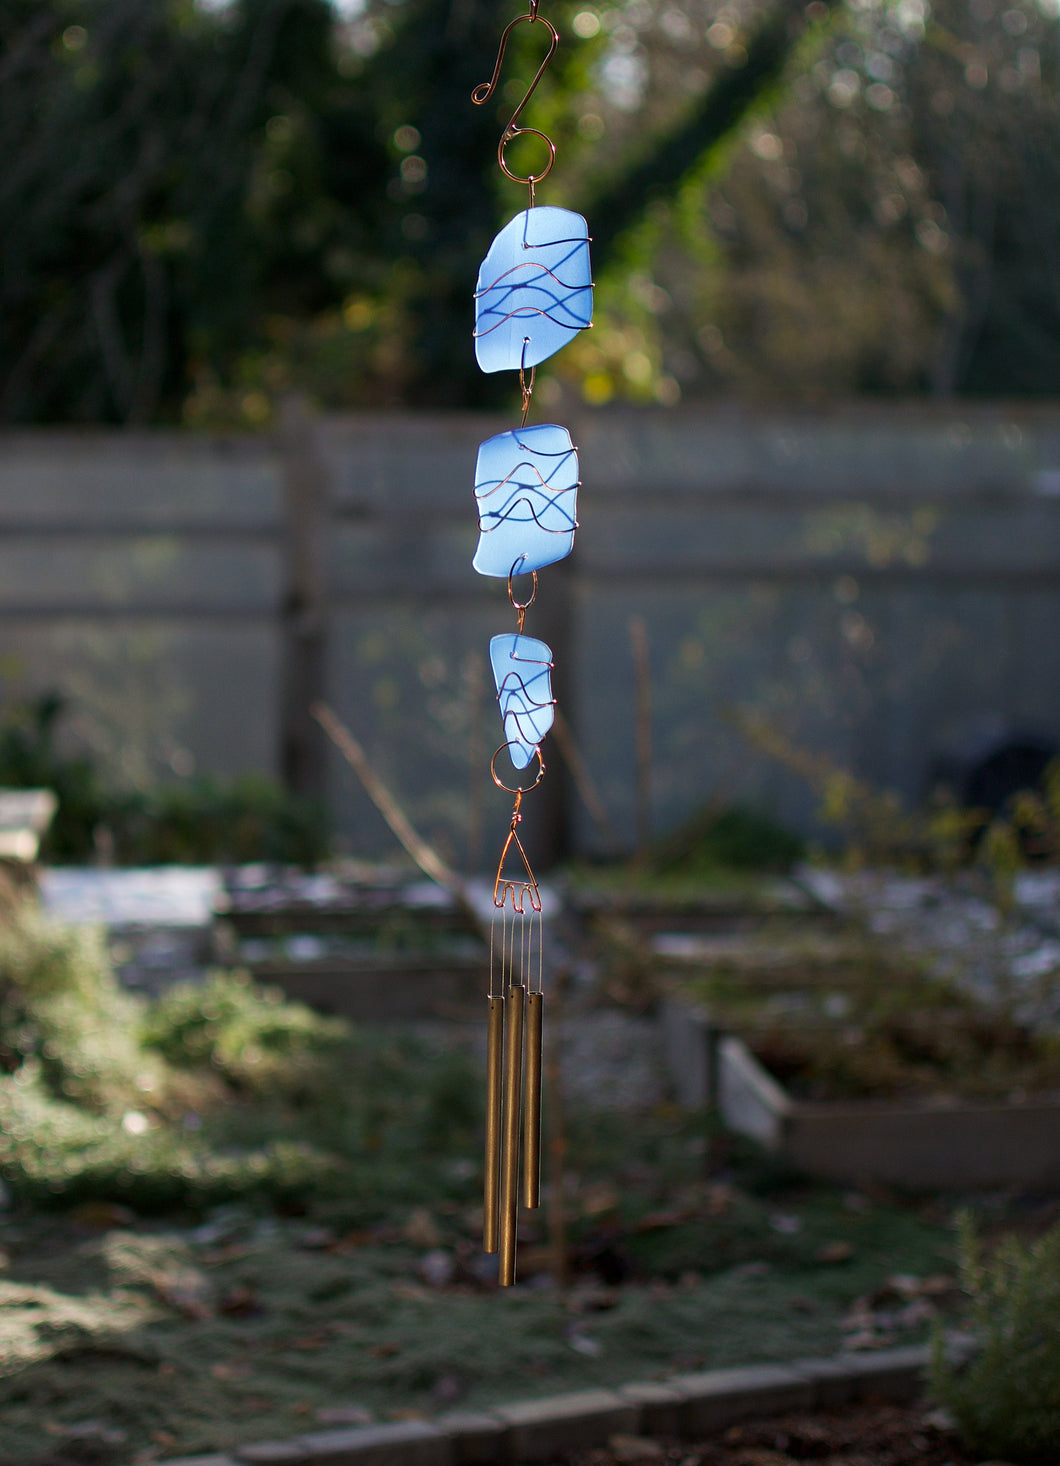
<point>537,1431</point>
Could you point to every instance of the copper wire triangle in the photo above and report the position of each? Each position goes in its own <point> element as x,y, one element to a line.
<point>517,887</point>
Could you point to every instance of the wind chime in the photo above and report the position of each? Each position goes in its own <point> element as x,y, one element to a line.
<point>534,293</point>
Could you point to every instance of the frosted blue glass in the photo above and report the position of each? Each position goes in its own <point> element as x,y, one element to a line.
<point>534,291</point>
<point>526,485</point>
<point>522,670</point>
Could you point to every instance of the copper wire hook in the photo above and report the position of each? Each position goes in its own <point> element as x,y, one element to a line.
<point>521,607</point>
<point>527,390</point>
<point>485,90</point>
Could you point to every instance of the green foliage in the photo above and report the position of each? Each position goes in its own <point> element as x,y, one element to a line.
<point>872,229</point>
<point>141,1328</point>
<point>196,821</point>
<point>1007,1398</point>
<point>150,1327</point>
<point>1035,816</point>
<point>246,1033</point>
<point>879,829</point>
<point>283,201</point>
<point>92,1080</point>
<point>209,820</point>
<point>221,203</point>
<point>734,1228</point>
<point>66,1027</point>
<point>53,1154</point>
<point>31,758</point>
<point>161,220</point>
<point>211,1092</point>
<point>727,839</point>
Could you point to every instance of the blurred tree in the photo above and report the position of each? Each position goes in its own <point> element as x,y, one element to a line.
<point>148,226</point>
<point>888,223</point>
<point>985,125</point>
<point>209,205</point>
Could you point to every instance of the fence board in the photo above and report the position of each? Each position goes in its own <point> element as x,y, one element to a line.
<point>870,578</point>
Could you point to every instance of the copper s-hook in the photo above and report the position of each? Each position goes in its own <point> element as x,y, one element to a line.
<point>482,94</point>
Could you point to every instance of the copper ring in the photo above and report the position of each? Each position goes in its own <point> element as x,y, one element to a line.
<point>522,605</point>
<point>507,787</point>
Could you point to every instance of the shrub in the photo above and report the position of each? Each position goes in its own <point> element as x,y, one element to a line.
<point>53,1153</point>
<point>63,1015</point>
<point>30,758</point>
<point>214,1091</point>
<point>727,839</point>
<point>94,1085</point>
<point>247,1033</point>
<point>1007,1398</point>
<point>212,820</point>
<point>201,820</point>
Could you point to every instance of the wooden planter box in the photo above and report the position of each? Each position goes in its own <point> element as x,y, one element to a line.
<point>283,936</point>
<point>402,988</point>
<point>944,1145</point>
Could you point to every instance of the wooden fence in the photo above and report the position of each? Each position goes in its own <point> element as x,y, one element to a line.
<point>872,582</point>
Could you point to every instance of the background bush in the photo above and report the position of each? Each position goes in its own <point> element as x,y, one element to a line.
<point>195,821</point>
<point>214,1091</point>
<point>1007,1398</point>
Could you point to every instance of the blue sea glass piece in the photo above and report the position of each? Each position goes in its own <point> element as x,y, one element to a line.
<point>522,670</point>
<point>535,289</point>
<point>526,485</point>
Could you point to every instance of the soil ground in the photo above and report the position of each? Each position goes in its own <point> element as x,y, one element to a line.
<point>862,1435</point>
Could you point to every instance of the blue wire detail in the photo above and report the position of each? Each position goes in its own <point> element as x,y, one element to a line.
<point>535,289</point>
<point>526,486</point>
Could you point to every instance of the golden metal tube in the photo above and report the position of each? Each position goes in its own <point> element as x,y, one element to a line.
<point>513,1094</point>
<point>491,1181</point>
<point>532,1103</point>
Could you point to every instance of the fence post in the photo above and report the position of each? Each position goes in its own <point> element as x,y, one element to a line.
<point>303,615</point>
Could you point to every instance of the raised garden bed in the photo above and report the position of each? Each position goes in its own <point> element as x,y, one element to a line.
<point>652,904</point>
<point>852,1063</point>
<point>945,1144</point>
<point>374,950</point>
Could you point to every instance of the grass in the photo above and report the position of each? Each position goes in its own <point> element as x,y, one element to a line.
<point>230,1216</point>
<point>189,1338</point>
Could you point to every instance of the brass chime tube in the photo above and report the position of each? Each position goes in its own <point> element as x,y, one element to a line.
<point>494,1068</point>
<point>532,1103</point>
<point>513,1086</point>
